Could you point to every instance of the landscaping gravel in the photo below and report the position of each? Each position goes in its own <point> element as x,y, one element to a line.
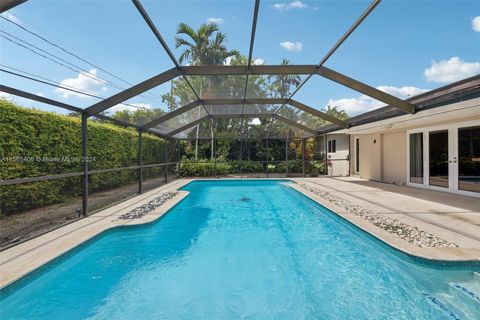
<point>411,234</point>
<point>144,209</point>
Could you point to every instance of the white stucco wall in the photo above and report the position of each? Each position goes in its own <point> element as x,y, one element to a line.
<point>339,159</point>
<point>394,161</point>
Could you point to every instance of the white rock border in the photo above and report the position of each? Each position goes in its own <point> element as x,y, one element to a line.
<point>411,234</point>
<point>151,205</point>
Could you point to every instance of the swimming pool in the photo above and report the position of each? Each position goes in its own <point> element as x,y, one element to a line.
<point>241,249</point>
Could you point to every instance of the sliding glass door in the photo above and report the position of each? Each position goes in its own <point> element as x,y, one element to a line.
<point>438,158</point>
<point>445,157</point>
<point>469,159</point>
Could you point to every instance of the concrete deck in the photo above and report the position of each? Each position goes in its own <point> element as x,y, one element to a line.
<point>451,217</point>
<point>17,261</point>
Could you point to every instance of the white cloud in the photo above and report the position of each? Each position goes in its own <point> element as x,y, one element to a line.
<point>292,46</point>
<point>476,24</point>
<point>364,103</point>
<point>258,61</point>
<point>130,107</point>
<point>292,5</point>
<point>446,71</point>
<point>7,96</point>
<point>89,83</point>
<point>215,20</point>
<point>402,92</point>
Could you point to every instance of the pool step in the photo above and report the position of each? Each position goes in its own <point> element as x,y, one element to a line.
<point>465,290</point>
<point>449,311</point>
<point>470,290</point>
<point>476,276</point>
<point>461,296</point>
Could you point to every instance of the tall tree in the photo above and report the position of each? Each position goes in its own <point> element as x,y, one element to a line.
<point>205,46</point>
<point>283,84</point>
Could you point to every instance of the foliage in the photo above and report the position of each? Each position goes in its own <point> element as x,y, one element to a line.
<point>139,117</point>
<point>208,168</point>
<point>204,168</point>
<point>204,46</point>
<point>48,144</point>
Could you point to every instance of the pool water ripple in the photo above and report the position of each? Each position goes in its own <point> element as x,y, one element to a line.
<point>238,249</point>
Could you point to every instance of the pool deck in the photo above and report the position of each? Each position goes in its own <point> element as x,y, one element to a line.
<point>17,261</point>
<point>450,217</point>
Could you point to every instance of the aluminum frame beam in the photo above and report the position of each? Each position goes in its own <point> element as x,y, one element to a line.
<point>277,117</point>
<point>242,70</point>
<point>317,113</point>
<point>187,126</point>
<point>213,102</point>
<point>250,50</point>
<point>332,76</point>
<point>132,91</point>
<point>292,69</point>
<point>242,115</point>
<point>164,44</point>
<point>9,4</point>
<point>231,101</point>
<point>296,124</point>
<point>344,37</point>
<point>171,114</point>
<point>85,164</point>
<point>34,97</point>
<point>366,89</point>
<point>218,70</point>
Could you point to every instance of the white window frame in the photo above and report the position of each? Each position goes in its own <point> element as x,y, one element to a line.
<point>452,129</point>
<point>355,138</point>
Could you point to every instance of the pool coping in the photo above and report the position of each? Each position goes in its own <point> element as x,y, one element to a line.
<point>32,255</point>
<point>440,254</point>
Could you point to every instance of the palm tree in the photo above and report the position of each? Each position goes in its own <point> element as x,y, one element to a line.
<point>204,46</point>
<point>336,112</point>
<point>282,84</point>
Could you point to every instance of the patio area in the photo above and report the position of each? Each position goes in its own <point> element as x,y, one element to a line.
<point>455,218</point>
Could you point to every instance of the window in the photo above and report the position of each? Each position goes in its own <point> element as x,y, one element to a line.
<point>332,146</point>
<point>416,157</point>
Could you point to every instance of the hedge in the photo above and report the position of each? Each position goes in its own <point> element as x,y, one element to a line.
<point>203,169</point>
<point>37,143</point>
<point>207,168</point>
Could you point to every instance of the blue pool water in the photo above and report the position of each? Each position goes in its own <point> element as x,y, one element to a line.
<point>240,249</point>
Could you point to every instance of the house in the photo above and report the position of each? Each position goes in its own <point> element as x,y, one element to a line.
<point>438,147</point>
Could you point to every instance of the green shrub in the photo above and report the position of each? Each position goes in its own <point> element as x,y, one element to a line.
<point>279,167</point>
<point>207,168</point>
<point>49,144</point>
<point>203,168</point>
<point>295,166</point>
<point>250,166</point>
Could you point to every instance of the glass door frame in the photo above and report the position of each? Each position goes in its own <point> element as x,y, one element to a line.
<point>356,153</point>
<point>452,156</point>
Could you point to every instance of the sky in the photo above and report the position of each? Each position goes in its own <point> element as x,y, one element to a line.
<point>404,47</point>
